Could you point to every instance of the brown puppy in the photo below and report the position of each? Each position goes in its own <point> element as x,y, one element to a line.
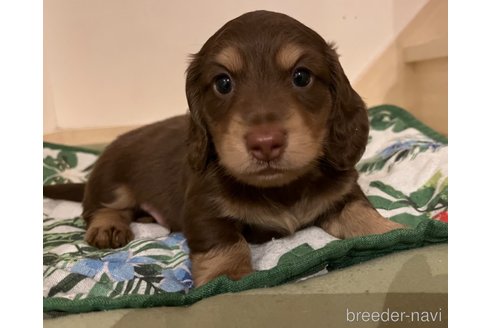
<point>268,148</point>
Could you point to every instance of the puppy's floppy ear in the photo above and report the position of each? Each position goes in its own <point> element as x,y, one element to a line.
<point>348,123</point>
<point>198,141</point>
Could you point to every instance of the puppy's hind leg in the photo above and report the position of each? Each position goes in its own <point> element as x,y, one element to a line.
<point>108,224</point>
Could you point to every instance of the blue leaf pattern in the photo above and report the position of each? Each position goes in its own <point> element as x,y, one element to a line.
<point>88,267</point>
<point>120,265</point>
<point>175,280</point>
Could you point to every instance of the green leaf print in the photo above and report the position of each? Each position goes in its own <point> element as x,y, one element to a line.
<point>409,219</point>
<point>383,203</point>
<point>103,287</point>
<point>441,198</point>
<point>148,270</point>
<point>434,180</point>
<point>53,164</point>
<point>49,258</point>
<point>148,288</point>
<point>49,175</point>
<point>373,164</point>
<point>424,200</point>
<point>66,284</point>
<point>153,245</point>
<point>118,289</point>
<point>383,120</point>
<point>99,290</point>
<point>64,168</point>
<point>162,258</point>
<point>68,157</point>
<point>129,287</point>
<point>422,196</point>
<point>387,189</point>
<point>46,218</point>
<point>56,239</point>
<point>137,288</point>
<point>76,222</point>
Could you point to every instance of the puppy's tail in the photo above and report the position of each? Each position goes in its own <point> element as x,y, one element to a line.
<point>70,191</point>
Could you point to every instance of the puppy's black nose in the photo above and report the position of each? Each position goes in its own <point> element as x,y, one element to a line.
<point>266,144</point>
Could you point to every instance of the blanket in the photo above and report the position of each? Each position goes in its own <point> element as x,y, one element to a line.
<point>403,172</point>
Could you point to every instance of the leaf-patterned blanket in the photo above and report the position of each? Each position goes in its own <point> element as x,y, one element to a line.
<point>403,172</point>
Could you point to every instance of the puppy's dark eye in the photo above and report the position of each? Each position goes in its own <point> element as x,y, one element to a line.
<point>223,84</point>
<point>301,77</point>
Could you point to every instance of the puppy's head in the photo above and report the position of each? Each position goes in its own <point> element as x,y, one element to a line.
<point>269,100</point>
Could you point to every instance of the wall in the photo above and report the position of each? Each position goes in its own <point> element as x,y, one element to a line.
<point>122,62</point>
<point>412,72</point>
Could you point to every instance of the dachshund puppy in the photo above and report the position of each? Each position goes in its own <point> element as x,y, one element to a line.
<point>269,147</point>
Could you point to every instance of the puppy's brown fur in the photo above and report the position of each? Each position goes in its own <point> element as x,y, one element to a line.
<point>195,173</point>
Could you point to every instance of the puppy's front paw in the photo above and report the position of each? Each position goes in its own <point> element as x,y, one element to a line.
<point>358,218</point>
<point>233,261</point>
<point>108,232</point>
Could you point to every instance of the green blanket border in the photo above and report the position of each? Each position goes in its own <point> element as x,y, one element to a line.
<point>293,265</point>
<point>410,121</point>
<point>71,148</point>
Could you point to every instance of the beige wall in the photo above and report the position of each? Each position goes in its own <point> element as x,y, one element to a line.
<point>122,62</point>
<point>413,71</point>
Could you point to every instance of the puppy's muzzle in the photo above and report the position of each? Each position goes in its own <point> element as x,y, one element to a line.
<point>266,143</point>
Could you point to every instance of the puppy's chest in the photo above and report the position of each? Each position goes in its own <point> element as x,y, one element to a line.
<point>275,215</point>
